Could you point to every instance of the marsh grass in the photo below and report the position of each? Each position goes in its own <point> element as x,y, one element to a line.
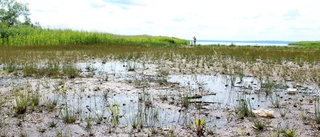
<point>210,131</point>
<point>89,120</point>
<point>68,115</point>
<point>268,86</point>
<point>21,100</point>
<point>243,109</point>
<point>29,70</point>
<point>145,98</point>
<point>52,124</point>
<point>34,99</point>
<point>317,110</point>
<point>185,101</point>
<point>289,132</point>
<point>276,101</point>
<point>50,105</point>
<point>283,112</point>
<point>134,122</point>
<point>70,71</point>
<point>29,36</point>
<point>2,123</point>
<point>163,74</point>
<point>29,58</point>
<point>50,70</point>
<point>260,124</point>
<point>100,116</point>
<point>115,114</point>
<point>10,67</point>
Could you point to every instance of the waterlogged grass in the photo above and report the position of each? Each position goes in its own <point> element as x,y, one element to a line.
<point>269,65</point>
<point>244,109</point>
<point>262,62</point>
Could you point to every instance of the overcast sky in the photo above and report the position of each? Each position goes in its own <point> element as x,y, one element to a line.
<point>206,19</point>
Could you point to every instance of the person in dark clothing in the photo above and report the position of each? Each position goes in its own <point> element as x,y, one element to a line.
<point>194,40</point>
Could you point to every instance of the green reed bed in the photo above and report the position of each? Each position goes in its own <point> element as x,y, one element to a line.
<point>28,36</point>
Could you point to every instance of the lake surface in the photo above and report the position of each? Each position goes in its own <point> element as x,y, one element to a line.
<point>243,43</point>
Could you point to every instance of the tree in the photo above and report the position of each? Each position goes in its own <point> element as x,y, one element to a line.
<point>11,11</point>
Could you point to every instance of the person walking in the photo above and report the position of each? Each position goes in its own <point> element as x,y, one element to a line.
<point>194,40</point>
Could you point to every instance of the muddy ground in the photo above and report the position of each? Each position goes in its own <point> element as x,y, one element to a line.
<point>110,99</point>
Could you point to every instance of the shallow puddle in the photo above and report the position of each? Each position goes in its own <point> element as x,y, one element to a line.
<point>217,91</point>
<point>116,69</point>
<point>130,109</point>
<point>227,90</point>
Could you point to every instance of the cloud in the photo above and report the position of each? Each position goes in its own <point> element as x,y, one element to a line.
<point>180,19</point>
<point>291,14</point>
<point>229,19</point>
<point>123,2</point>
<point>95,5</point>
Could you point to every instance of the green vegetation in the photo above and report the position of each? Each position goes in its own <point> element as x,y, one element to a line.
<point>317,110</point>
<point>10,13</point>
<point>260,124</point>
<point>42,61</point>
<point>115,114</point>
<point>68,115</point>
<point>31,36</point>
<point>25,100</point>
<point>21,99</point>
<point>244,109</point>
<point>287,132</point>
<point>200,125</point>
<point>31,51</point>
<point>296,63</point>
<point>306,43</point>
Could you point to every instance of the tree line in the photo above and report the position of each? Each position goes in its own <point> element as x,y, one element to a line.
<point>13,16</point>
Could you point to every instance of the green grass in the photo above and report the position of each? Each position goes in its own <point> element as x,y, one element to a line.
<point>244,109</point>
<point>28,36</point>
<point>260,125</point>
<point>68,115</point>
<point>306,43</point>
<point>317,110</point>
<point>70,71</point>
<point>287,132</point>
<point>115,114</point>
<point>21,99</point>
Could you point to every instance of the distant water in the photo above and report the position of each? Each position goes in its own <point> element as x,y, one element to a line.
<point>243,43</point>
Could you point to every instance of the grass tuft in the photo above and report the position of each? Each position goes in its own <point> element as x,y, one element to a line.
<point>22,100</point>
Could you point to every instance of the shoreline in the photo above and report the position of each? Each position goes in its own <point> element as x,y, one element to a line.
<point>241,43</point>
